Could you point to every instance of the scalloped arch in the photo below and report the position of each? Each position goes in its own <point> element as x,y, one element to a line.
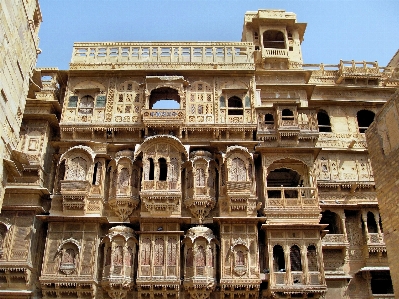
<point>79,148</point>
<point>159,138</point>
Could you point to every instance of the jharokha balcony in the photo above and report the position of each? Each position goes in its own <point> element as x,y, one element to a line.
<point>282,202</point>
<point>161,198</point>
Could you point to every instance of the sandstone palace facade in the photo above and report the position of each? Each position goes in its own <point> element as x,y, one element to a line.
<point>256,184</point>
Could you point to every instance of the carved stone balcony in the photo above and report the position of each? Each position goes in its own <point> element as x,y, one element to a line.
<point>240,198</point>
<point>302,127</point>
<point>358,69</point>
<point>375,242</point>
<point>162,117</point>
<point>292,204</point>
<point>335,241</point>
<point>162,55</point>
<point>297,281</point>
<point>161,198</point>
<point>74,194</point>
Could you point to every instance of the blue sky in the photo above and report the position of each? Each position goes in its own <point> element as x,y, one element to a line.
<point>345,29</point>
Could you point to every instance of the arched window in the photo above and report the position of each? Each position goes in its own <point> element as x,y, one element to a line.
<point>269,119</point>
<point>163,169</point>
<point>274,39</point>
<point>76,169</point>
<point>278,259</point>
<point>164,98</point>
<point>200,257</point>
<point>159,252</point>
<point>97,173</point>
<point>364,120</point>
<point>323,121</point>
<point>124,178</point>
<point>189,258</point>
<point>86,105</point>
<point>240,258</point>
<point>333,222</point>
<point>145,251</point>
<point>238,171</point>
<point>235,106</point>
<point>68,258</point>
<point>371,223</point>
<point>295,257</point>
<point>287,114</point>
<point>199,177</point>
<point>151,170</point>
<point>312,258</point>
<point>118,256</point>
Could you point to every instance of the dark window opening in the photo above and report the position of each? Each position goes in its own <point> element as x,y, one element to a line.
<point>381,282</point>
<point>235,106</point>
<point>278,259</point>
<point>163,169</point>
<point>295,257</point>
<point>95,173</point>
<point>151,172</point>
<point>283,177</point>
<point>287,114</point>
<point>333,222</point>
<point>364,120</point>
<point>274,39</point>
<point>371,223</point>
<point>312,258</point>
<point>323,121</point>
<point>164,98</point>
<point>269,119</point>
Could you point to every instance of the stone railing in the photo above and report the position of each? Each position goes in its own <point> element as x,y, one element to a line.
<point>121,54</point>
<point>358,68</point>
<point>291,197</point>
<point>75,186</point>
<point>279,278</point>
<point>314,278</point>
<point>155,116</point>
<point>375,239</point>
<point>238,186</point>
<point>160,185</point>
<point>274,53</point>
<point>333,239</point>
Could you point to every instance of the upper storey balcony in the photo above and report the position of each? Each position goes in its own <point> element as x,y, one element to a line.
<point>287,125</point>
<point>163,55</point>
<point>353,73</point>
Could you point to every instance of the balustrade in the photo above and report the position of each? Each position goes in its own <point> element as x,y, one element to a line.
<point>331,239</point>
<point>160,185</point>
<point>158,52</point>
<point>238,186</point>
<point>291,197</point>
<point>275,53</point>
